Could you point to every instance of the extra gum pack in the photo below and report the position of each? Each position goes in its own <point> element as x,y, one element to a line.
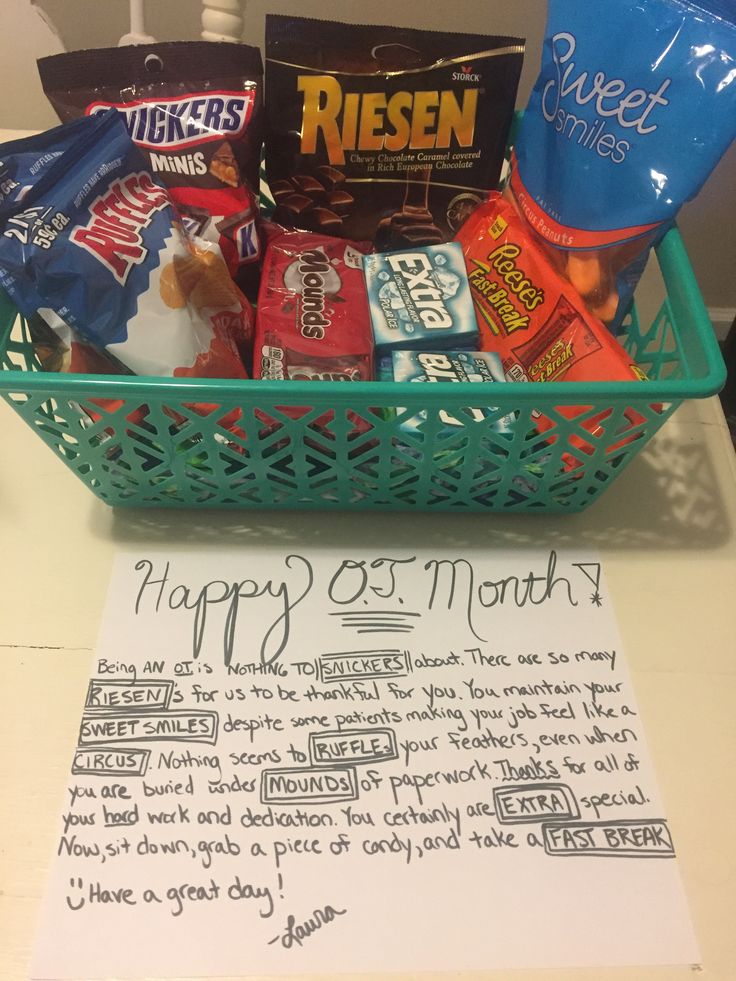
<point>419,298</point>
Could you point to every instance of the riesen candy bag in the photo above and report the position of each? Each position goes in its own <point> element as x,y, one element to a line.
<point>633,107</point>
<point>532,317</point>
<point>87,238</point>
<point>386,134</point>
<point>194,110</point>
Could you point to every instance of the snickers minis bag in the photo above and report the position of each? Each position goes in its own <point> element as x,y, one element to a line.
<point>91,243</point>
<point>384,134</point>
<point>194,108</point>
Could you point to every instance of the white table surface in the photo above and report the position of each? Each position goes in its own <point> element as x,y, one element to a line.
<point>666,531</point>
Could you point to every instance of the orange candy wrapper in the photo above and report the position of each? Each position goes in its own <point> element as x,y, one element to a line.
<point>534,319</point>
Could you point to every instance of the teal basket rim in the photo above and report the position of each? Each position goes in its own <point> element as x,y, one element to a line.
<point>683,295</point>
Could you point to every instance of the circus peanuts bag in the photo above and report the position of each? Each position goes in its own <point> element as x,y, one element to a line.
<point>90,241</point>
<point>633,107</point>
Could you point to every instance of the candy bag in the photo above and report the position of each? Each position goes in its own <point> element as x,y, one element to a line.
<point>89,240</point>
<point>194,110</point>
<point>532,317</point>
<point>313,322</point>
<point>633,107</point>
<point>382,133</point>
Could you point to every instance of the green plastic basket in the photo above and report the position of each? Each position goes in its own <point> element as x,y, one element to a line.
<point>331,445</point>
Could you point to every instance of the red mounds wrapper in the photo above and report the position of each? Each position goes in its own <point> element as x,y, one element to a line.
<point>194,109</point>
<point>534,319</point>
<point>313,322</point>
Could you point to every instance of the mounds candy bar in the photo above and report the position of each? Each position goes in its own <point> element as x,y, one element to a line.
<point>448,366</point>
<point>91,240</point>
<point>420,299</point>
<point>634,104</point>
<point>194,108</point>
<point>312,321</point>
<point>382,133</point>
<point>531,316</point>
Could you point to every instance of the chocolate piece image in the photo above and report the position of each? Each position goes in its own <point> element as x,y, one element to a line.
<point>307,185</point>
<point>421,235</point>
<point>233,221</point>
<point>195,220</point>
<point>281,189</point>
<point>302,200</point>
<point>296,203</point>
<point>330,176</point>
<point>340,201</point>
<point>326,220</point>
<point>414,224</point>
<point>224,166</point>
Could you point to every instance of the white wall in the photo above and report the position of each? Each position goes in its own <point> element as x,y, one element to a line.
<point>708,224</point>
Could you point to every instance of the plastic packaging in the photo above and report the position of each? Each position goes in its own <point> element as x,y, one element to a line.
<point>384,133</point>
<point>89,240</point>
<point>633,107</point>
<point>533,318</point>
<point>194,109</point>
<point>313,322</point>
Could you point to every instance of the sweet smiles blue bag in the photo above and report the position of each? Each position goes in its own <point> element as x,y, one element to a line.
<point>634,105</point>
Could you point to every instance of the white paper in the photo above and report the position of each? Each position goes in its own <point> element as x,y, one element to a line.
<point>404,761</point>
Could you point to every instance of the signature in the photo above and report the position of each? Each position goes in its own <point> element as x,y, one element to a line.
<point>296,933</point>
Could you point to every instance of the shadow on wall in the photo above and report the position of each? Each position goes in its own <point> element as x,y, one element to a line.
<point>708,224</point>
<point>78,24</point>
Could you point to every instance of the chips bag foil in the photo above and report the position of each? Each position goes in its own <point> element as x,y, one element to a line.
<point>381,133</point>
<point>89,240</point>
<point>533,318</point>
<point>633,107</point>
<point>194,109</point>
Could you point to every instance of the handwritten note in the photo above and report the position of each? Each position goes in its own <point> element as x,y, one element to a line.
<point>293,762</point>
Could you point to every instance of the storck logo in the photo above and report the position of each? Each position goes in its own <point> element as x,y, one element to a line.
<point>466,74</point>
<point>161,124</point>
<point>117,218</point>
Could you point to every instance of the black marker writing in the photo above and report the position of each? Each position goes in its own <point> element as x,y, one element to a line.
<point>218,591</point>
<point>531,589</point>
<point>297,933</point>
